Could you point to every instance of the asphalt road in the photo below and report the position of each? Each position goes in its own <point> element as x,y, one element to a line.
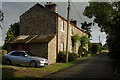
<point>94,67</point>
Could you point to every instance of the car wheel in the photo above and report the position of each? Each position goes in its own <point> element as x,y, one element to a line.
<point>33,64</point>
<point>8,62</point>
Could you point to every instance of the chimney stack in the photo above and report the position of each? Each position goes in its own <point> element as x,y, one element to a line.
<point>51,6</point>
<point>73,21</point>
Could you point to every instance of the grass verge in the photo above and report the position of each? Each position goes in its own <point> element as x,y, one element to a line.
<point>9,71</point>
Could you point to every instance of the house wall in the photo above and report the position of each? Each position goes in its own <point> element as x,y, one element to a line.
<point>38,20</point>
<point>40,50</point>
<point>52,51</point>
<point>63,34</point>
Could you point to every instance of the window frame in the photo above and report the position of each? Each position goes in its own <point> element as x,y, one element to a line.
<point>71,30</point>
<point>62,26</point>
<point>71,48</point>
<point>62,46</point>
<point>12,54</point>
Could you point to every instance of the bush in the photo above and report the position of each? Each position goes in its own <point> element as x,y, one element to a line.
<point>62,57</point>
<point>72,56</point>
<point>2,53</point>
<point>81,50</point>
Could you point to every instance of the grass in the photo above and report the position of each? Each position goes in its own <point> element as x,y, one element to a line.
<point>9,71</point>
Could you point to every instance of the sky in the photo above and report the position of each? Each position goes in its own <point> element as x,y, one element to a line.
<point>12,11</point>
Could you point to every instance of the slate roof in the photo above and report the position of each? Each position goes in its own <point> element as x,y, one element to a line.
<point>33,38</point>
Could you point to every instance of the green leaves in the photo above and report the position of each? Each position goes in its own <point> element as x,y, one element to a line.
<point>102,14</point>
<point>12,32</point>
<point>75,38</point>
<point>84,40</point>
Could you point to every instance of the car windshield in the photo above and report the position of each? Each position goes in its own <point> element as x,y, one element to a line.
<point>30,54</point>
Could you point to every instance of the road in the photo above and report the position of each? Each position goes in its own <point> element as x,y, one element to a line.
<point>94,67</point>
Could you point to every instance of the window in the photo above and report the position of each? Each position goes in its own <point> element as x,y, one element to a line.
<point>62,46</point>
<point>14,54</point>
<point>30,54</point>
<point>21,54</point>
<point>62,26</point>
<point>71,48</point>
<point>70,30</point>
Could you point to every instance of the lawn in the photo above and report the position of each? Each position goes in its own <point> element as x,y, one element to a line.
<point>9,71</point>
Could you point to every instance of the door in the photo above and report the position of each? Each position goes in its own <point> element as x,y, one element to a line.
<point>23,59</point>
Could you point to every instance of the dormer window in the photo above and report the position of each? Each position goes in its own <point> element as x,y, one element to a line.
<point>62,26</point>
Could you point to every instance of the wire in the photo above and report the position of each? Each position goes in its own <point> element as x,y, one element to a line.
<point>77,11</point>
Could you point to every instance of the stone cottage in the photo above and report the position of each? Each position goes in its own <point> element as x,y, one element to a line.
<point>43,32</point>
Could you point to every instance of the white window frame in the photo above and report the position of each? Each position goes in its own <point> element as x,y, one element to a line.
<point>71,30</point>
<point>62,46</point>
<point>62,26</point>
<point>71,48</point>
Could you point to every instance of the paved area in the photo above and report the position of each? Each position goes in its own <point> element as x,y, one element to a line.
<point>95,67</point>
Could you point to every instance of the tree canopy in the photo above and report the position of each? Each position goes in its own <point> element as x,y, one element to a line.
<point>87,28</point>
<point>107,16</point>
<point>12,32</point>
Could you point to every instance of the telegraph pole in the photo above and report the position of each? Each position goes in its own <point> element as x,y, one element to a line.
<point>68,22</point>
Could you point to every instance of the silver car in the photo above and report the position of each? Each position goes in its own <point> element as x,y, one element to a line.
<point>24,57</point>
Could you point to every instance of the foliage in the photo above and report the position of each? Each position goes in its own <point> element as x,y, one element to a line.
<point>62,56</point>
<point>83,40</point>
<point>107,16</point>
<point>95,48</point>
<point>87,28</point>
<point>102,14</point>
<point>12,32</point>
<point>75,38</point>
<point>99,47</point>
<point>105,47</point>
<point>3,52</point>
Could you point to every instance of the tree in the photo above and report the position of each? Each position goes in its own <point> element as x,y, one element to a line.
<point>75,38</point>
<point>83,40</point>
<point>12,32</point>
<point>102,14</point>
<point>107,16</point>
<point>87,28</point>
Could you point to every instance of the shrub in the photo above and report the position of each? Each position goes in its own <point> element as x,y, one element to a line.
<point>62,57</point>
<point>72,56</point>
<point>81,50</point>
<point>3,52</point>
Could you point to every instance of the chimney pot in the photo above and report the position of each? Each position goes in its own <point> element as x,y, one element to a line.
<point>51,6</point>
<point>73,21</point>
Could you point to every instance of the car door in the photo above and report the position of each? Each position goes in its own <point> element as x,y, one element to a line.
<point>14,57</point>
<point>23,59</point>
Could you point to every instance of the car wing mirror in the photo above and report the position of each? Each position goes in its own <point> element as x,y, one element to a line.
<point>26,55</point>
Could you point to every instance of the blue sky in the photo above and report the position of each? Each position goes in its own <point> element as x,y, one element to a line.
<point>12,11</point>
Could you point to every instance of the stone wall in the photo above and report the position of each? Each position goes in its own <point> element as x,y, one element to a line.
<point>38,20</point>
<point>63,34</point>
<point>40,50</point>
<point>52,51</point>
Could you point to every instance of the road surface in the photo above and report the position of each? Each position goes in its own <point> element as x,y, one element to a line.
<point>99,66</point>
